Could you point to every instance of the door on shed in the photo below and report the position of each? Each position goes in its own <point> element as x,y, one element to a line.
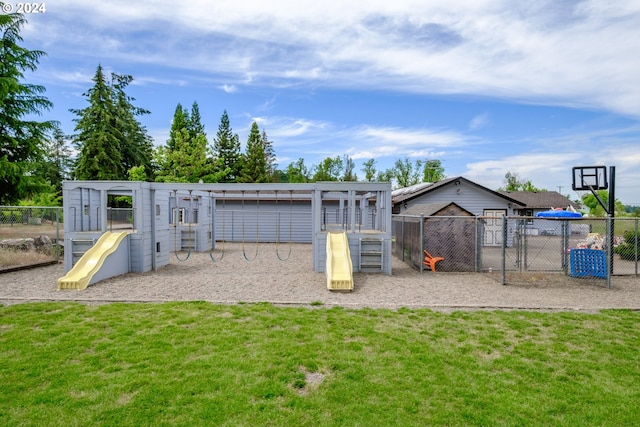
<point>493,226</point>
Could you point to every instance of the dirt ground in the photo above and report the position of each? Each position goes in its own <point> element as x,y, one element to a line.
<point>234,280</point>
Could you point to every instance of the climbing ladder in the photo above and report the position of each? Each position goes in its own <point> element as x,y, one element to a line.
<point>371,259</point>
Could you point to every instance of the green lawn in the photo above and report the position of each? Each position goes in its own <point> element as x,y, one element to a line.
<point>66,364</point>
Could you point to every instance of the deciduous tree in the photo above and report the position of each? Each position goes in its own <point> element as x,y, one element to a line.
<point>330,169</point>
<point>407,174</point>
<point>369,169</point>
<point>297,172</point>
<point>433,171</point>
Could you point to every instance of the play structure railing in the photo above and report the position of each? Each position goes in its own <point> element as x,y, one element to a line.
<point>338,219</point>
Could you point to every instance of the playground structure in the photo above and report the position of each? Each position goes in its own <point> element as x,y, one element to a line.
<point>175,219</point>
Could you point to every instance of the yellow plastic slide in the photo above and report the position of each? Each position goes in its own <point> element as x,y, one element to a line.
<point>79,277</point>
<point>339,269</point>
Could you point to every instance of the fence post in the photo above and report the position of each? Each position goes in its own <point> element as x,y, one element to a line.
<point>58,234</point>
<point>475,244</point>
<point>421,243</point>
<point>636,245</point>
<point>609,261</point>
<point>402,233</point>
<point>504,250</point>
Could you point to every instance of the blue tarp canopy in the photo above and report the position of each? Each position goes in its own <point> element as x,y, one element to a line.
<point>553,213</point>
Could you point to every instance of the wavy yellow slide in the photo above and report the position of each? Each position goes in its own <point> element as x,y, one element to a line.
<point>339,268</point>
<point>79,277</point>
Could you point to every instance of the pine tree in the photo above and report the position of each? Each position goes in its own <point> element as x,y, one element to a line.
<point>269,156</point>
<point>255,161</point>
<point>226,150</point>
<point>98,139</point>
<point>21,140</point>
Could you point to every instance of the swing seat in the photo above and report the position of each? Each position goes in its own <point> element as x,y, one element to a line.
<point>431,261</point>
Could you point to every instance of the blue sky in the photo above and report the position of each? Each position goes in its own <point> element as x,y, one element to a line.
<point>487,87</point>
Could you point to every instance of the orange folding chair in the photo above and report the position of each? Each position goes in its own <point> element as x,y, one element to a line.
<point>430,261</point>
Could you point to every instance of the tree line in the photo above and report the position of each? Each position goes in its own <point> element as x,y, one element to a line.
<point>112,144</point>
<point>109,142</point>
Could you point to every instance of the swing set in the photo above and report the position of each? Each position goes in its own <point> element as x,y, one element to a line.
<point>181,214</point>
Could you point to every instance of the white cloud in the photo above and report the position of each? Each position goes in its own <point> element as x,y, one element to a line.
<point>479,121</point>
<point>548,163</point>
<point>411,137</point>
<point>283,128</point>
<point>229,88</point>
<point>582,54</point>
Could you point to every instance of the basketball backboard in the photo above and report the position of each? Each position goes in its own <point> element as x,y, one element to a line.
<point>590,178</point>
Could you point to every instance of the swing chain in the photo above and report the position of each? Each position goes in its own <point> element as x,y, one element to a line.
<point>281,258</point>
<point>212,204</point>
<point>244,253</point>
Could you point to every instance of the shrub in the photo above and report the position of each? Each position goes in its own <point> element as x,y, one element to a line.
<point>629,249</point>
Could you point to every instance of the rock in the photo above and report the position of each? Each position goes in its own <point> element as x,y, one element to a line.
<point>41,244</point>
<point>41,241</point>
<point>18,244</point>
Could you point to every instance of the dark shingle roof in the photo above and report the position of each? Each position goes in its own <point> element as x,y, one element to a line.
<point>541,199</point>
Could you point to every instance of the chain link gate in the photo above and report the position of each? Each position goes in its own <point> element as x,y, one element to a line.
<point>525,250</point>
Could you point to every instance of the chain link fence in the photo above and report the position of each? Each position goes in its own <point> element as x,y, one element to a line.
<point>30,235</point>
<point>521,250</point>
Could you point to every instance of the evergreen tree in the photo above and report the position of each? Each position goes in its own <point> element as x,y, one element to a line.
<point>226,151</point>
<point>21,140</point>
<point>136,144</point>
<point>194,122</point>
<point>180,121</point>
<point>269,156</point>
<point>98,139</point>
<point>57,161</point>
<point>109,138</point>
<point>186,157</point>
<point>188,161</point>
<point>254,168</point>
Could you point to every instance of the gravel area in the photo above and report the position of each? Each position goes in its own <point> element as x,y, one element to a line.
<point>293,282</point>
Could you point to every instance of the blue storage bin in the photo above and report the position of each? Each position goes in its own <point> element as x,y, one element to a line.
<point>588,263</point>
